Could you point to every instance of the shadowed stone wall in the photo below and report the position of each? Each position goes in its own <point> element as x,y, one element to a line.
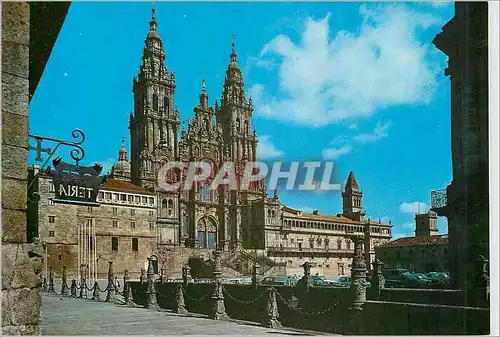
<point>21,261</point>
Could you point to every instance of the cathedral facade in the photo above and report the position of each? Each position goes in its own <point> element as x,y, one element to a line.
<point>199,217</point>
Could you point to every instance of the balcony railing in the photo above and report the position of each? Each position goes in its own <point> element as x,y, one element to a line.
<point>438,198</point>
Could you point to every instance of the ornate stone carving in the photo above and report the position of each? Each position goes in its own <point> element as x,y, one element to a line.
<point>271,315</point>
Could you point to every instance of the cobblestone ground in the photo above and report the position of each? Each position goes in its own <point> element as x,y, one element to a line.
<point>73,316</point>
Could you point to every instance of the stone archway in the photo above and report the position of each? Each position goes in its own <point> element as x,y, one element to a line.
<point>206,232</point>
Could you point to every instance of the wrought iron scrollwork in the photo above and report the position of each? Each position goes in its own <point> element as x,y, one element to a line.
<point>77,154</point>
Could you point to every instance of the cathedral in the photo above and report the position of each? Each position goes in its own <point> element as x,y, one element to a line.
<point>200,217</point>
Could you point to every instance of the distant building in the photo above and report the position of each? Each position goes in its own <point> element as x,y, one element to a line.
<point>425,252</point>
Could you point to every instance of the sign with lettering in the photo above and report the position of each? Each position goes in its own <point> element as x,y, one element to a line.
<point>77,185</point>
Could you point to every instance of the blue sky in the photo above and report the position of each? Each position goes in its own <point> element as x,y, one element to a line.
<point>359,84</point>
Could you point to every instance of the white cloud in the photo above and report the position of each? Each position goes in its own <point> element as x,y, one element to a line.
<point>380,132</point>
<point>441,3</point>
<point>323,80</point>
<point>334,153</point>
<point>413,207</point>
<point>266,149</point>
<point>353,126</point>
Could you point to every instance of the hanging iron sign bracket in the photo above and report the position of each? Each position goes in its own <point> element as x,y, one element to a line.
<point>74,184</point>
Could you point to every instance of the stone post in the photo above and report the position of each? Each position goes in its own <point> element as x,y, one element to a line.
<point>481,283</point>
<point>180,306</point>
<point>358,274</point>
<point>377,279</point>
<point>151,302</point>
<point>127,293</point>
<point>110,296</point>
<point>44,285</point>
<point>95,293</point>
<point>186,275</point>
<point>254,276</point>
<point>73,288</point>
<point>219,308</point>
<point>358,288</point>
<point>271,315</point>
<point>306,281</point>
<point>51,280</point>
<point>64,286</point>
<point>163,272</point>
<point>125,278</point>
<point>142,278</point>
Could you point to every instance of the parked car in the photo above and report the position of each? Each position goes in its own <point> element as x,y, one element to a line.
<point>345,282</point>
<point>277,281</point>
<point>320,281</point>
<point>438,279</point>
<point>402,278</point>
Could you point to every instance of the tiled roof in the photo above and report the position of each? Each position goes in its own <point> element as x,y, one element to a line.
<point>430,240</point>
<point>120,185</point>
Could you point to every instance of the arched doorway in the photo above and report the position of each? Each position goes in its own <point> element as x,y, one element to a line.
<point>207,233</point>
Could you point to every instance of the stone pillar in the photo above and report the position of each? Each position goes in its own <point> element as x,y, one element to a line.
<point>64,286</point>
<point>45,285</point>
<point>377,279</point>
<point>186,275</point>
<point>142,278</point>
<point>254,276</point>
<point>151,302</point>
<point>51,280</point>
<point>358,274</point>
<point>306,281</point>
<point>219,308</point>
<point>22,262</point>
<point>110,296</point>
<point>95,293</point>
<point>125,277</point>
<point>271,315</point>
<point>127,293</point>
<point>73,288</point>
<point>180,307</point>
<point>163,271</point>
<point>481,294</point>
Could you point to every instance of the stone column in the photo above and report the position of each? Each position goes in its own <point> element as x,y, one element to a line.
<point>96,294</point>
<point>51,280</point>
<point>180,307</point>
<point>73,288</point>
<point>110,297</point>
<point>358,274</point>
<point>44,285</point>
<point>163,272</point>
<point>219,309</point>
<point>377,279</point>
<point>151,302</point>
<point>142,278</point>
<point>22,262</point>
<point>64,286</point>
<point>125,277</point>
<point>271,315</point>
<point>127,293</point>
<point>186,275</point>
<point>254,276</point>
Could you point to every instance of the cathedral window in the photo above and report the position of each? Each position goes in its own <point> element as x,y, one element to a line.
<point>132,212</point>
<point>238,124</point>
<point>108,196</point>
<point>130,198</point>
<point>206,193</point>
<point>170,203</point>
<point>115,223</point>
<point>135,244</point>
<point>144,200</point>
<point>132,224</point>
<point>246,127</point>
<point>339,244</point>
<point>155,102</point>
<point>184,223</point>
<point>114,243</point>
<point>137,200</point>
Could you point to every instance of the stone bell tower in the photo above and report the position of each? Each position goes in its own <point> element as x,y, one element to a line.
<point>155,121</point>
<point>352,199</point>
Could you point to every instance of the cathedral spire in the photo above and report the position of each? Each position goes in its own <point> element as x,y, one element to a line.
<point>203,95</point>
<point>122,154</point>
<point>153,24</point>
<point>233,52</point>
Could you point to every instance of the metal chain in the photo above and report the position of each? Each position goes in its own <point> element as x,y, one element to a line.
<point>166,296</point>
<point>302,311</point>
<point>237,300</point>
<point>195,299</point>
